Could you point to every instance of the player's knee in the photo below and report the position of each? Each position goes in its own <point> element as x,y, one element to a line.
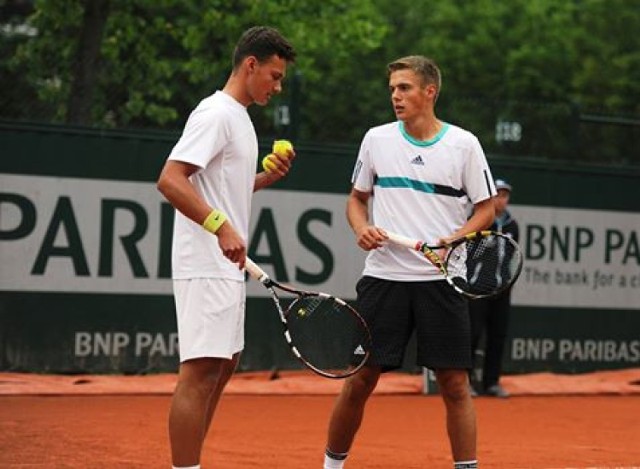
<point>206,374</point>
<point>361,385</point>
<point>454,394</point>
<point>357,393</point>
<point>454,387</point>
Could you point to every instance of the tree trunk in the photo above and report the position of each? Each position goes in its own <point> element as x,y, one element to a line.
<point>85,69</point>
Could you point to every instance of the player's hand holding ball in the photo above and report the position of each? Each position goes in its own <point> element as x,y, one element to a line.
<point>279,161</point>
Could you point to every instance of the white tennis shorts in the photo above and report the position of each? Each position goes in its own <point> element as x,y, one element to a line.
<point>210,313</point>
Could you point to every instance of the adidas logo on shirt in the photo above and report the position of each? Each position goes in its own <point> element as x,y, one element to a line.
<point>418,160</point>
<point>359,350</point>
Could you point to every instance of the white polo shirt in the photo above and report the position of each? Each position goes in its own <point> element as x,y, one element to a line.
<point>220,139</point>
<point>421,189</point>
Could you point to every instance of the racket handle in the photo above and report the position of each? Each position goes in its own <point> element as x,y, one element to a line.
<point>404,241</point>
<point>254,270</point>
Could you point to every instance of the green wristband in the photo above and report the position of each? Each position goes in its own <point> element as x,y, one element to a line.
<point>214,221</point>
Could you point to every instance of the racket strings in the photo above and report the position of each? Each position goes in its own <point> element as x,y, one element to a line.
<point>485,264</point>
<point>330,336</point>
<point>312,303</point>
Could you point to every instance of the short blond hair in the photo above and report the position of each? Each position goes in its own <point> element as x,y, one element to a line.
<point>424,67</point>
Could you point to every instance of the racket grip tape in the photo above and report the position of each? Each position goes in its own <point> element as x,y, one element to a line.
<point>253,269</point>
<point>404,241</point>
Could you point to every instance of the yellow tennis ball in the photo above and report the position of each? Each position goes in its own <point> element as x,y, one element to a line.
<point>302,312</point>
<point>267,164</point>
<point>282,147</point>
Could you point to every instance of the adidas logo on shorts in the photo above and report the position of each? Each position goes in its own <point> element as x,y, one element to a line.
<point>359,350</point>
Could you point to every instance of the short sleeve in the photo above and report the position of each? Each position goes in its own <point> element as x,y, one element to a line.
<point>363,173</point>
<point>204,136</point>
<point>478,181</point>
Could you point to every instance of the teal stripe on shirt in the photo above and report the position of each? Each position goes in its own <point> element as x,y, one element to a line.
<point>426,187</point>
<point>406,182</point>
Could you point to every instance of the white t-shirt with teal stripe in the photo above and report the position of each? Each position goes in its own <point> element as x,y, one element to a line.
<point>420,189</point>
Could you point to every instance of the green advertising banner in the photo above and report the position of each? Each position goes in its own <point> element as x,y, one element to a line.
<point>85,242</point>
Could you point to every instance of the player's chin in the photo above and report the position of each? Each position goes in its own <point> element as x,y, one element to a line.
<point>263,101</point>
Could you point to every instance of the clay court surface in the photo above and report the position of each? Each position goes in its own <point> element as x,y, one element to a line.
<point>581,421</point>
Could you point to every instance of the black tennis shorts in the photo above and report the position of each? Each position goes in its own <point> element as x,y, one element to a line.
<point>439,315</point>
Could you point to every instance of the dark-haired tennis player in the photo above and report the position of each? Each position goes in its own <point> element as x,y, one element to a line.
<point>421,175</point>
<point>209,178</point>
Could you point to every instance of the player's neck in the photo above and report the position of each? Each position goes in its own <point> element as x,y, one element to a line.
<point>423,127</point>
<point>236,89</point>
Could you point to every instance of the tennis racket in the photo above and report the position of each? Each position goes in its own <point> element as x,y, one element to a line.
<point>324,332</point>
<point>479,265</point>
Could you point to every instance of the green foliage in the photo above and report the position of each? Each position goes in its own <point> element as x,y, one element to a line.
<point>158,58</point>
<point>500,60</point>
<point>608,75</point>
<point>45,61</point>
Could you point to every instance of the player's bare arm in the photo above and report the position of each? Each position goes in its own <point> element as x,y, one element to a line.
<point>483,215</point>
<point>368,236</point>
<point>176,187</point>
